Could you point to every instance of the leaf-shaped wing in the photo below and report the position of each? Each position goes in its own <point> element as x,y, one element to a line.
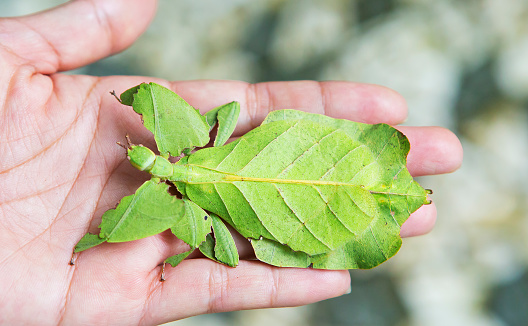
<point>300,183</point>
<point>396,193</point>
<point>149,211</point>
<point>379,242</point>
<point>374,246</point>
<point>175,124</point>
<point>388,145</point>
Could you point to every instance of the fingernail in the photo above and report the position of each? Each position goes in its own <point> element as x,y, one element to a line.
<point>349,290</point>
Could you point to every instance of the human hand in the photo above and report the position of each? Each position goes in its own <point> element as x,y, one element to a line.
<point>60,169</point>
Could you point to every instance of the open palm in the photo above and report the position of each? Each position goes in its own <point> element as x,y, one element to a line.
<point>60,169</point>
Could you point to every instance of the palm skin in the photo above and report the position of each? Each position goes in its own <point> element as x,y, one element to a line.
<point>60,169</point>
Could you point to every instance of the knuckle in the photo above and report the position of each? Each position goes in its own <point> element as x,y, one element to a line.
<point>218,288</point>
<point>275,286</point>
<point>259,101</point>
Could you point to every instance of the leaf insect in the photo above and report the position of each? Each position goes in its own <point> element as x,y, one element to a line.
<point>305,189</point>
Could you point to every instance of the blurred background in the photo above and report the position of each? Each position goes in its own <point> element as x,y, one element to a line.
<point>460,64</point>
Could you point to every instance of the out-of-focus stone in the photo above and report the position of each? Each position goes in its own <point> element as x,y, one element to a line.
<point>307,30</point>
<point>11,8</point>
<point>512,70</point>
<point>374,301</point>
<point>509,301</point>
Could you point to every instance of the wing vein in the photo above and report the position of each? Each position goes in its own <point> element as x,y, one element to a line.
<point>306,151</point>
<point>254,211</point>
<point>327,202</point>
<point>267,145</point>
<point>341,159</point>
<point>303,224</point>
<point>239,141</point>
<point>377,243</point>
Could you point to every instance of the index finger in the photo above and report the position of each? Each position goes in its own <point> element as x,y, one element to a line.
<point>344,100</point>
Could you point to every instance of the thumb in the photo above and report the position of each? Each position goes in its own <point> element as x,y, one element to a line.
<point>76,33</point>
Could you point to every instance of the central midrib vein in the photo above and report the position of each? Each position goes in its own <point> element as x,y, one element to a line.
<point>229,178</point>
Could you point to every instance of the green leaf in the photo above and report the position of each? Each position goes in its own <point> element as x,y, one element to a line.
<point>193,226</point>
<point>175,124</point>
<point>225,250</point>
<point>319,186</point>
<point>226,115</point>
<point>178,258</point>
<point>381,240</point>
<point>149,211</point>
<point>88,241</point>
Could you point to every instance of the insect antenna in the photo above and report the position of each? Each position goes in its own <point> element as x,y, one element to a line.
<point>124,146</point>
<point>128,141</point>
<point>128,145</point>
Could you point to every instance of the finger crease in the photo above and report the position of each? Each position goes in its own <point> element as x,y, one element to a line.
<point>323,96</point>
<point>68,294</point>
<point>274,294</point>
<point>218,288</point>
<point>104,22</point>
<point>251,103</point>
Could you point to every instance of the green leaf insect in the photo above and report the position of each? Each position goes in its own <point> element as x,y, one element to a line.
<point>306,190</point>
